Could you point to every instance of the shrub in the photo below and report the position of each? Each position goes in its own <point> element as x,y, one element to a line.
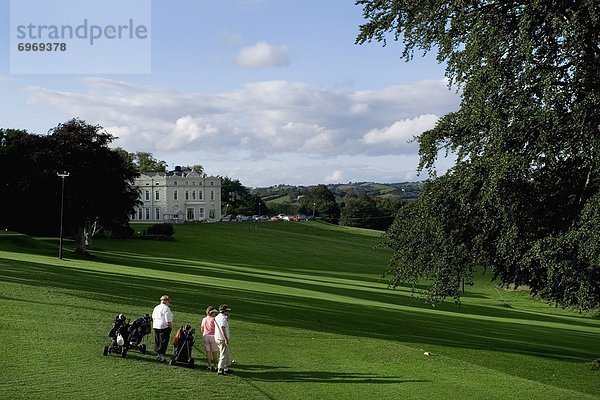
<point>160,229</point>
<point>121,231</point>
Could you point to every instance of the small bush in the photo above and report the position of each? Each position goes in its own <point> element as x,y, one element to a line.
<point>121,232</point>
<point>160,229</point>
<point>594,313</point>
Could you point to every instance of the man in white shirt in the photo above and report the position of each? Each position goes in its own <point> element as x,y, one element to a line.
<point>162,322</point>
<point>223,338</point>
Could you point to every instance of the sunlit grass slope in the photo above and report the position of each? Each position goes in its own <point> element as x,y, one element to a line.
<point>311,320</point>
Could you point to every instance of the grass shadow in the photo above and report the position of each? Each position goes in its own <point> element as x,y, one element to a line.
<point>277,375</point>
<point>399,324</point>
<point>354,289</point>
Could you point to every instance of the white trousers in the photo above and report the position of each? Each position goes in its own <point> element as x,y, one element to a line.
<point>224,355</point>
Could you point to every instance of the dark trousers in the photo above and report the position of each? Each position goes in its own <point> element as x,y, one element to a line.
<point>161,340</point>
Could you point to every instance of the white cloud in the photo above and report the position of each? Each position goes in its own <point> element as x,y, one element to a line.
<point>400,133</point>
<point>335,177</point>
<point>188,130</point>
<point>263,54</point>
<point>359,108</point>
<point>262,118</point>
<point>272,121</point>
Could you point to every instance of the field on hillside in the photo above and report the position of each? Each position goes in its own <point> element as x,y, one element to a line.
<point>310,320</point>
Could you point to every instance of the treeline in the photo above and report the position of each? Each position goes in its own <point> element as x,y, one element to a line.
<point>321,202</point>
<point>399,191</point>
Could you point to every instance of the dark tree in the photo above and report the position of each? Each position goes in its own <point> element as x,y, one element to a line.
<point>320,201</point>
<point>360,212</point>
<point>234,195</point>
<point>28,191</point>
<point>147,163</point>
<point>368,212</point>
<point>98,192</point>
<point>521,195</point>
<point>254,205</point>
<point>199,169</point>
<point>237,199</point>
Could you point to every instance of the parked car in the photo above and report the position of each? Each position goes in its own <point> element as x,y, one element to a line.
<point>263,218</point>
<point>298,217</point>
<point>228,218</point>
<point>280,217</point>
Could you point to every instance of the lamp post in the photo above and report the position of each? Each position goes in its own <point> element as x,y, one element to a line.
<point>62,202</point>
<point>314,204</point>
<point>152,196</point>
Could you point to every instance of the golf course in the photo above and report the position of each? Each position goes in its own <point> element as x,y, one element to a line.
<point>311,319</point>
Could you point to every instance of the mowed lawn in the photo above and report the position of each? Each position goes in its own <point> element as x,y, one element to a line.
<point>310,320</point>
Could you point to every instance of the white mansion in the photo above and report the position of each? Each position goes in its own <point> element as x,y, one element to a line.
<point>178,196</point>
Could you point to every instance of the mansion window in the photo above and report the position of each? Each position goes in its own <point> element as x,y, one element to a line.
<point>175,194</point>
<point>190,213</point>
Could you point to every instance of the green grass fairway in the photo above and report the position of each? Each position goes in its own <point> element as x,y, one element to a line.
<point>310,320</point>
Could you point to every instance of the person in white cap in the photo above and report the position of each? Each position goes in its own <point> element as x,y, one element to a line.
<point>162,322</point>
<point>223,339</point>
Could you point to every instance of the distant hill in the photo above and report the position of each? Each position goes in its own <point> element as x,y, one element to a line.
<point>401,191</point>
<point>280,194</point>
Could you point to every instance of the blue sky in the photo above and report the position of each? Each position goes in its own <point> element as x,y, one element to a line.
<point>265,91</point>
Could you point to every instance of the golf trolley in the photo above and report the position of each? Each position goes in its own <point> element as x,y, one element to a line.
<point>139,329</point>
<point>125,336</point>
<point>183,343</point>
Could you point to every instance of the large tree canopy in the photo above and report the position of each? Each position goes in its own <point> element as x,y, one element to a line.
<point>98,190</point>
<point>522,197</point>
<point>146,162</point>
<point>237,199</point>
<point>320,202</point>
<point>368,212</point>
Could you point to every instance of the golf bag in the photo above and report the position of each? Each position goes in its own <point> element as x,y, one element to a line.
<point>184,343</point>
<point>137,331</point>
<point>119,337</point>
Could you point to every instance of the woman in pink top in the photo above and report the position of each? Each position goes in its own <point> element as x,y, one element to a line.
<point>208,338</point>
